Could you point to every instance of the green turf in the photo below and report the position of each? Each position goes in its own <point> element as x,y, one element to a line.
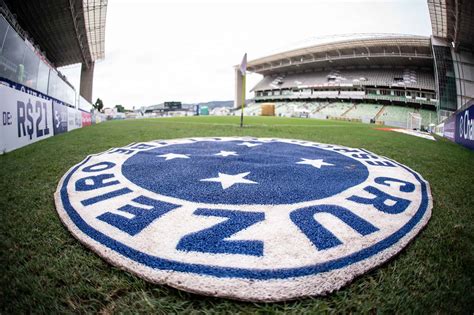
<point>45,270</point>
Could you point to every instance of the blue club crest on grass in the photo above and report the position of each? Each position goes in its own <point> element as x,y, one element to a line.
<point>246,218</point>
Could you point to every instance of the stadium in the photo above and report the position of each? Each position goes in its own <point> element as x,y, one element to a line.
<point>378,78</point>
<point>65,163</point>
<point>396,80</point>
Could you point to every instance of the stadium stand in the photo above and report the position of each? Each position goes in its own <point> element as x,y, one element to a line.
<point>363,111</point>
<point>408,77</point>
<point>369,78</point>
<point>395,116</point>
<point>335,109</point>
<point>380,78</point>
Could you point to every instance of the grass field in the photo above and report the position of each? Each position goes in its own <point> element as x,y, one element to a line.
<point>45,270</point>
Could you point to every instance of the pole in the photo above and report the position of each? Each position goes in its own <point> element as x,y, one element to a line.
<point>243,102</point>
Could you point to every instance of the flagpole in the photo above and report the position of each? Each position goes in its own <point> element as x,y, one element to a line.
<point>243,72</point>
<point>243,102</point>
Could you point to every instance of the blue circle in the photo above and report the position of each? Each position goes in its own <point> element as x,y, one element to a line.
<point>270,173</point>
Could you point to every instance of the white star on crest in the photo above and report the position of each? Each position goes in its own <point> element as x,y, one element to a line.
<point>228,180</point>
<point>171,156</point>
<point>226,153</point>
<point>316,163</point>
<point>249,144</point>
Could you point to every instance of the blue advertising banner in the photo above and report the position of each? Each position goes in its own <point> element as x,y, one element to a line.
<point>464,133</point>
<point>59,117</point>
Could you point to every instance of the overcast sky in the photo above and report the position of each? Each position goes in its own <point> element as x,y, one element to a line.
<point>158,51</point>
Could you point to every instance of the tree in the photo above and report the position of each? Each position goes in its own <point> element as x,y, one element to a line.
<point>98,104</point>
<point>120,108</point>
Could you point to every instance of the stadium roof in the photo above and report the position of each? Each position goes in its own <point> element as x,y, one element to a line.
<point>67,31</point>
<point>453,20</point>
<point>362,49</point>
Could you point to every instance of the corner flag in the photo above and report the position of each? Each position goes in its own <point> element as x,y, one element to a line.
<point>243,65</point>
<point>243,70</point>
